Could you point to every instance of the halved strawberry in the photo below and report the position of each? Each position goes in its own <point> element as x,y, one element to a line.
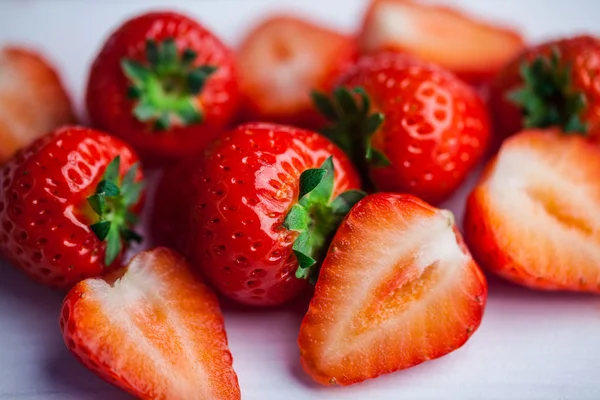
<point>398,287</point>
<point>152,329</point>
<point>473,49</point>
<point>282,60</point>
<point>533,218</point>
<point>33,100</point>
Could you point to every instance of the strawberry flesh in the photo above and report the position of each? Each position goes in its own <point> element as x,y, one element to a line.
<point>533,217</point>
<point>397,288</point>
<point>281,60</point>
<point>153,330</point>
<point>473,49</point>
<point>33,99</point>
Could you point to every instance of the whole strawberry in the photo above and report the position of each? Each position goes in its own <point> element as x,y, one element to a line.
<point>68,203</point>
<point>261,206</point>
<point>165,84</point>
<point>409,126</point>
<point>556,83</point>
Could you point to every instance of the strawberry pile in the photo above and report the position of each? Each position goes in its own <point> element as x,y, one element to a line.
<point>305,161</point>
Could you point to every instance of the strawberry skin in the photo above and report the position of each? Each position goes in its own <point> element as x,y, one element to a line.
<point>412,127</point>
<point>473,49</point>
<point>281,60</point>
<point>33,99</point>
<point>46,219</point>
<point>398,287</point>
<point>171,205</point>
<point>165,84</point>
<point>532,219</point>
<point>555,83</point>
<point>153,330</point>
<point>240,195</point>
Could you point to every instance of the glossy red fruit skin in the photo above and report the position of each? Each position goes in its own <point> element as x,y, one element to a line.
<point>170,206</point>
<point>44,214</point>
<point>241,192</point>
<point>581,52</point>
<point>436,127</point>
<point>110,109</point>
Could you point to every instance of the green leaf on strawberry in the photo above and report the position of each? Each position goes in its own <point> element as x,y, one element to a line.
<point>547,97</point>
<point>166,86</point>
<point>352,126</point>
<point>316,216</point>
<point>112,202</point>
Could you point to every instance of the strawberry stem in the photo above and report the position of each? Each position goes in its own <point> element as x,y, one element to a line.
<point>547,97</point>
<point>316,217</point>
<point>112,202</point>
<point>352,127</point>
<point>167,85</point>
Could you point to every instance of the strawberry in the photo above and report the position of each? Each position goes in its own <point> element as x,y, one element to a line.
<point>261,206</point>
<point>33,99</point>
<point>397,288</point>
<point>408,125</point>
<point>152,329</point>
<point>556,83</point>
<point>165,84</point>
<point>68,203</point>
<point>281,61</point>
<point>171,203</point>
<point>533,217</point>
<point>473,49</point>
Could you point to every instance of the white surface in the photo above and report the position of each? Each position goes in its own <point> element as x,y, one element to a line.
<point>530,345</point>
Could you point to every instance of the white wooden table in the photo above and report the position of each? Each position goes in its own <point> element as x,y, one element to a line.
<point>530,345</point>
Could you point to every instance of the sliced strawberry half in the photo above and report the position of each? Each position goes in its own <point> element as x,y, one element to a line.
<point>282,60</point>
<point>397,288</point>
<point>473,49</point>
<point>33,100</point>
<point>153,330</point>
<point>533,218</point>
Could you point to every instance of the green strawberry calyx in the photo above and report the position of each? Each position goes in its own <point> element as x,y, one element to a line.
<point>316,217</point>
<point>352,126</point>
<point>112,203</point>
<point>547,97</point>
<point>167,85</point>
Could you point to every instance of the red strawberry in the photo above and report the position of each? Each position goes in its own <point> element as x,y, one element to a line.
<point>33,100</point>
<point>165,84</point>
<point>261,207</point>
<point>67,205</point>
<point>281,60</point>
<point>533,218</point>
<point>553,84</point>
<point>171,204</point>
<point>473,49</point>
<point>397,288</point>
<point>152,329</point>
<point>409,126</point>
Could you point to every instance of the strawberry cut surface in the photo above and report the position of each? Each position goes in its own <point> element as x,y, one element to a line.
<point>397,288</point>
<point>282,60</point>
<point>533,218</point>
<point>471,48</point>
<point>152,329</point>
